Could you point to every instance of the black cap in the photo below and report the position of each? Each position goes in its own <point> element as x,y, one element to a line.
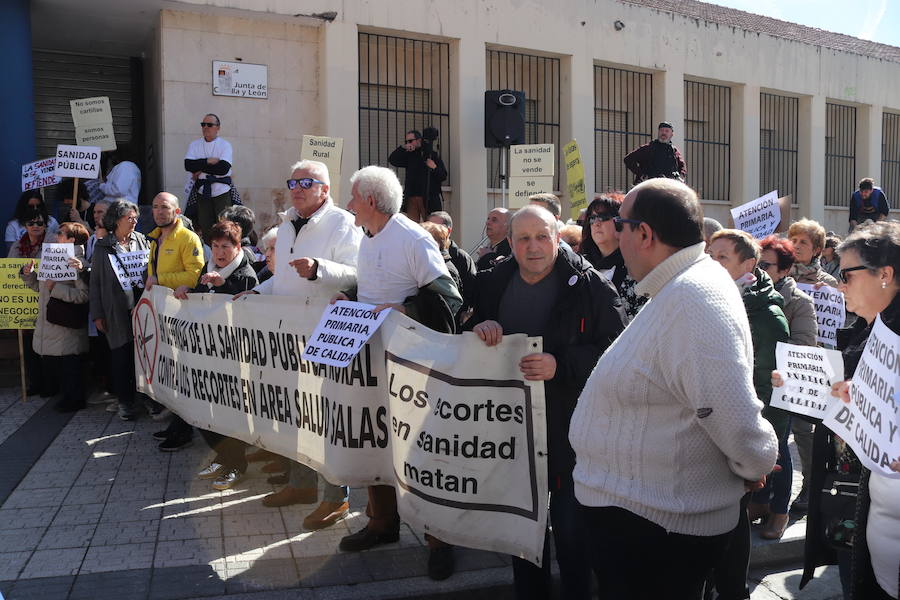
<point>664,124</point>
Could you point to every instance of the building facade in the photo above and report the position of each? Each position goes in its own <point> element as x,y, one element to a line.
<point>757,104</point>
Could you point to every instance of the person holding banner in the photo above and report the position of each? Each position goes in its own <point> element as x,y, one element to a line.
<point>229,272</point>
<point>60,332</point>
<point>808,238</point>
<point>399,267</point>
<point>547,290</point>
<point>29,201</point>
<point>112,299</point>
<point>314,257</point>
<point>600,246</point>
<point>865,535</point>
<point>668,433</point>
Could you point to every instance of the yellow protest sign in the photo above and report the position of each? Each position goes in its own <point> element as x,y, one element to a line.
<point>574,177</point>
<point>18,303</point>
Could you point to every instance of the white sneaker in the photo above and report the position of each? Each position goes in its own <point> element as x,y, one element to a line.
<point>112,407</point>
<point>211,472</point>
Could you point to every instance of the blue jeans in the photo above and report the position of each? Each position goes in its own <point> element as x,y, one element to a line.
<point>302,477</point>
<point>570,539</point>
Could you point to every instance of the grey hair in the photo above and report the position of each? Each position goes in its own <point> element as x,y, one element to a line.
<point>381,184</point>
<point>538,211</point>
<point>268,238</point>
<point>318,169</point>
<point>877,244</point>
<point>710,226</point>
<point>116,211</point>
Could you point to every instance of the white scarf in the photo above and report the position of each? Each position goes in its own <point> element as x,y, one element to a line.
<point>230,268</point>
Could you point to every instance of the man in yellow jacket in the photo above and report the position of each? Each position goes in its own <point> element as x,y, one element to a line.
<point>176,258</point>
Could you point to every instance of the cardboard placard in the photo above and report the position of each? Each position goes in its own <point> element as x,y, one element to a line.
<point>759,217</point>
<point>18,302</point>
<point>574,178</point>
<point>808,373</point>
<point>39,173</point>
<point>326,150</point>
<point>78,161</point>
<point>55,263</point>
<point>86,111</point>
<point>520,188</point>
<point>96,134</point>
<point>532,160</point>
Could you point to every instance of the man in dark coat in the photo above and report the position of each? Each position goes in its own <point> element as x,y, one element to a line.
<point>659,158</point>
<point>545,290</point>
<point>424,173</point>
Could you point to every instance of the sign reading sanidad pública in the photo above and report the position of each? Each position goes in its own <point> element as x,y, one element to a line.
<point>78,161</point>
<point>18,302</point>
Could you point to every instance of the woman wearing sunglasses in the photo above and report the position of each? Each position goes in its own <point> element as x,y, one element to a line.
<point>600,246</point>
<point>864,540</point>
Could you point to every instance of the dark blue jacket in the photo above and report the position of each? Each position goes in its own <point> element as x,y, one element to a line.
<point>876,205</point>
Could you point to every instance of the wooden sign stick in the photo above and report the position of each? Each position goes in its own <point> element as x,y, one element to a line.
<point>22,367</point>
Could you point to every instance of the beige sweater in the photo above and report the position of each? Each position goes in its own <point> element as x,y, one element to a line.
<point>668,425</point>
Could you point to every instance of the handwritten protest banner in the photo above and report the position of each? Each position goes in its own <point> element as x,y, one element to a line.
<point>129,268</point>
<point>574,178</point>
<point>830,311</point>
<point>808,374</point>
<point>39,173</point>
<point>78,161</point>
<point>55,263</point>
<point>869,423</point>
<point>447,420</point>
<point>18,302</point>
<point>758,217</point>
<point>343,330</point>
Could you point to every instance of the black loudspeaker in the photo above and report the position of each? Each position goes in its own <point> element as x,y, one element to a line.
<point>504,118</point>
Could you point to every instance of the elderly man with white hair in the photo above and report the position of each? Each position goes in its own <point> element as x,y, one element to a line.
<point>400,267</point>
<point>315,257</point>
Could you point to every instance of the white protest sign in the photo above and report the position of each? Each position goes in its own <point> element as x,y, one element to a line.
<point>446,419</point>
<point>869,423</point>
<point>96,134</point>
<point>327,150</point>
<point>78,161</point>
<point>830,311</point>
<point>129,268</point>
<point>39,173</point>
<point>808,373</point>
<point>758,217</point>
<point>86,111</point>
<point>532,160</point>
<point>55,263</point>
<point>343,330</point>
<point>240,79</point>
<point>520,188</point>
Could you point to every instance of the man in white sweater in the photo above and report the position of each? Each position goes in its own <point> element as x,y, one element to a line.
<point>668,432</point>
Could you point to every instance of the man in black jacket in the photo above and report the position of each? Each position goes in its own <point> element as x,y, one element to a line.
<point>464,263</point>
<point>658,158</point>
<point>424,173</point>
<point>552,292</point>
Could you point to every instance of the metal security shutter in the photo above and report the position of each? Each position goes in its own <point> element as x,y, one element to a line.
<point>60,77</point>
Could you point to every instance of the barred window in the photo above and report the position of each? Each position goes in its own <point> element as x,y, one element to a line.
<point>890,156</point>
<point>623,120</point>
<point>779,136</point>
<point>404,84</point>
<point>538,77</point>
<point>840,154</point>
<point>707,138</point>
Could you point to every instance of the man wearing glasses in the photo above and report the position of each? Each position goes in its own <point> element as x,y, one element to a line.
<point>424,173</point>
<point>209,161</point>
<point>668,433</point>
<point>315,257</point>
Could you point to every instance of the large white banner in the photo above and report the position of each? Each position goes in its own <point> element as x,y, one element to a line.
<point>447,420</point>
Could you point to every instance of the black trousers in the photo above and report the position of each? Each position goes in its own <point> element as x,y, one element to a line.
<point>229,451</point>
<point>122,372</point>
<point>637,559</point>
<point>64,373</point>
<point>731,569</point>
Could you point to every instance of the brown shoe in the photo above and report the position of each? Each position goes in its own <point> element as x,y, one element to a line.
<point>291,495</point>
<point>326,515</point>
<point>775,527</point>
<point>757,511</point>
<point>276,466</point>
<point>261,456</point>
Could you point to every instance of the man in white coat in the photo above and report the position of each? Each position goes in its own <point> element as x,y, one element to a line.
<point>315,257</point>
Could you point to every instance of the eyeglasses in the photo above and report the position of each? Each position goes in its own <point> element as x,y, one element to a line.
<point>764,265</point>
<point>843,272</point>
<point>132,218</point>
<point>598,218</point>
<point>34,224</point>
<point>619,223</point>
<point>205,124</point>
<point>305,183</point>
<point>409,141</point>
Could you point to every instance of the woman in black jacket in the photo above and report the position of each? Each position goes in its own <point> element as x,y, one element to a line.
<point>229,272</point>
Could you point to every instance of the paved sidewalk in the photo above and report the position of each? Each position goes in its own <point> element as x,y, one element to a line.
<point>102,514</point>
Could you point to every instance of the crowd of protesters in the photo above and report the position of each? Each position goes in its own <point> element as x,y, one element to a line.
<point>659,332</point>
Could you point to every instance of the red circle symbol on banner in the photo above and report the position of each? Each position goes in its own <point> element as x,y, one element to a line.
<point>146,337</point>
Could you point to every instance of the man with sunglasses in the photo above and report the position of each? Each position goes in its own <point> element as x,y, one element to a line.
<point>209,161</point>
<point>424,173</point>
<point>668,433</point>
<point>315,257</point>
